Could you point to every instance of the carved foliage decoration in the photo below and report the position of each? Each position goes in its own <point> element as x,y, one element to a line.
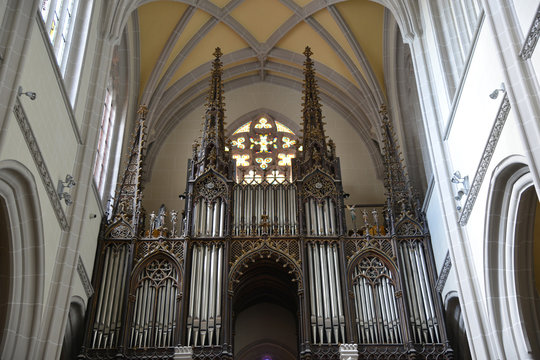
<point>356,246</point>
<point>408,227</point>
<point>144,248</point>
<point>120,229</point>
<point>319,186</point>
<point>372,269</point>
<point>210,187</point>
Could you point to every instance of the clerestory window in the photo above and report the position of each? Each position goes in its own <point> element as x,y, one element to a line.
<point>66,24</point>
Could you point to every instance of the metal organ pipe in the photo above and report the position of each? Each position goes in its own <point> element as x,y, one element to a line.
<point>312,295</point>
<point>204,317</point>
<point>218,292</point>
<point>215,217</point>
<point>327,320</point>
<point>222,219</point>
<point>332,217</point>
<point>327,227</point>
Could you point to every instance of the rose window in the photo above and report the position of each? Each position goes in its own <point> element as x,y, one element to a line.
<point>263,149</point>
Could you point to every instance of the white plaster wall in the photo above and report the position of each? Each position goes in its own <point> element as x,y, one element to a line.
<point>48,116</point>
<point>436,69</point>
<point>439,237</point>
<point>170,168</point>
<point>525,11</point>
<point>474,118</point>
<point>14,147</point>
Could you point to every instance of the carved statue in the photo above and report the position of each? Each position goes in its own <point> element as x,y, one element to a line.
<point>353,214</point>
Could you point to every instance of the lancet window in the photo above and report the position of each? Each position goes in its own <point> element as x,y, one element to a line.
<point>263,149</point>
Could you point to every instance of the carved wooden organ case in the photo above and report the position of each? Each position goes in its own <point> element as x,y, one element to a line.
<point>164,282</point>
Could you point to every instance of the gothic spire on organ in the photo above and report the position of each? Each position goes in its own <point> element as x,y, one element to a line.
<point>402,200</point>
<point>129,194</point>
<point>316,152</point>
<point>211,153</point>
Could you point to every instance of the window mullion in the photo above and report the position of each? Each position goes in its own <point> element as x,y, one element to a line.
<point>60,26</point>
<point>50,16</point>
<point>69,36</point>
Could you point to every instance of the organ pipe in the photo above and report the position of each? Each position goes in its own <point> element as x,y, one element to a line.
<point>327,320</point>
<point>377,318</point>
<point>204,314</point>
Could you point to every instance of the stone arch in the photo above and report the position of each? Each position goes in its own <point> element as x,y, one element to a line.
<point>23,310</point>
<point>74,334</point>
<point>513,302</point>
<point>457,334</point>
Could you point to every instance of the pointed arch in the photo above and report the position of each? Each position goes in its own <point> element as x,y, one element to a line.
<point>25,243</point>
<point>513,302</point>
<point>156,287</point>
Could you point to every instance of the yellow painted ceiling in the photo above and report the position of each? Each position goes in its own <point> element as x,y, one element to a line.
<point>324,18</point>
<point>220,36</point>
<point>365,19</point>
<point>192,28</point>
<point>220,3</point>
<point>164,14</point>
<point>303,35</point>
<point>302,3</point>
<point>260,19</point>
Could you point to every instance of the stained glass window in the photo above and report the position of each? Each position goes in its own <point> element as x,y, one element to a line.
<point>263,149</point>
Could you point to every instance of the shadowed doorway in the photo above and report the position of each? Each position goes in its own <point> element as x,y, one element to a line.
<point>265,314</point>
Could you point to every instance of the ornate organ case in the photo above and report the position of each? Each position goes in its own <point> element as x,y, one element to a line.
<point>166,284</point>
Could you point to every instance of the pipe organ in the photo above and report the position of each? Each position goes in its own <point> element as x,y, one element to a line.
<point>167,280</point>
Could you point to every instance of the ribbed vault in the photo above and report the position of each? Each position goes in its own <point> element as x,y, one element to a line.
<point>262,42</point>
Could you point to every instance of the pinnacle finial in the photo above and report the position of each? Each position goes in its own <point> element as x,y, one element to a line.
<point>217,54</point>
<point>308,52</point>
<point>143,110</point>
<point>383,111</point>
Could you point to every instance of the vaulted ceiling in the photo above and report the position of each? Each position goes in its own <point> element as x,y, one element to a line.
<point>263,42</point>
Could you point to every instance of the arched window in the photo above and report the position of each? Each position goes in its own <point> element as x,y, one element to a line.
<point>263,149</point>
<point>455,25</point>
<point>111,130</point>
<point>513,300</point>
<point>66,23</point>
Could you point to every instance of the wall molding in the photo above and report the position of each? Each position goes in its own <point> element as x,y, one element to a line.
<point>532,38</point>
<point>43,171</point>
<point>83,275</point>
<point>445,271</point>
<point>481,171</point>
